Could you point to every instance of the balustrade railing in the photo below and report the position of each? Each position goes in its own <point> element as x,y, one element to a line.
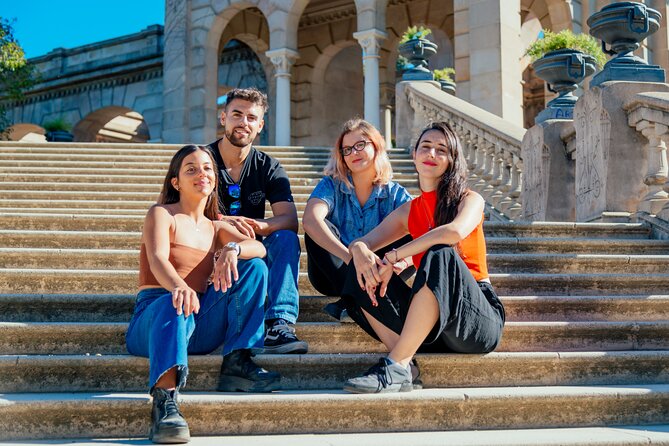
<point>491,145</point>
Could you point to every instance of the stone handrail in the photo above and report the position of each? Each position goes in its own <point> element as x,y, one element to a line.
<point>648,113</point>
<point>492,146</point>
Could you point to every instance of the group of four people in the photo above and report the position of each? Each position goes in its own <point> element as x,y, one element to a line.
<point>214,271</point>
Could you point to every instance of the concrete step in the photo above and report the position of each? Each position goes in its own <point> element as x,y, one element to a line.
<point>576,436</point>
<point>95,415</point>
<point>119,307</point>
<point>42,338</point>
<point>65,281</point>
<point>130,240</point>
<point>66,258</point>
<point>125,373</point>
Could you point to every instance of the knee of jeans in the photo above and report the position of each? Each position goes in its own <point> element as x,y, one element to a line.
<point>253,269</point>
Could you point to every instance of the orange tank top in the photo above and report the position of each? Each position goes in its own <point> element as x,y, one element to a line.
<point>471,249</point>
<point>193,265</point>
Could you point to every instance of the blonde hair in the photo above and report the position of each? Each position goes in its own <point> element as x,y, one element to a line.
<point>336,166</point>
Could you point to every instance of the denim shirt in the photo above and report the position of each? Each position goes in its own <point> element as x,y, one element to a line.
<point>345,211</point>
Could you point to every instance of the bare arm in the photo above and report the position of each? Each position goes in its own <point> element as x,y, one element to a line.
<point>285,217</point>
<point>314,225</point>
<point>225,264</point>
<point>250,247</point>
<point>156,237</point>
<point>468,217</point>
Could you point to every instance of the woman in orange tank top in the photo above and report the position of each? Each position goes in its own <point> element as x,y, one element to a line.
<point>451,306</point>
<point>178,311</point>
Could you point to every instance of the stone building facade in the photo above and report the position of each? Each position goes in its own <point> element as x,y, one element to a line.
<point>320,62</point>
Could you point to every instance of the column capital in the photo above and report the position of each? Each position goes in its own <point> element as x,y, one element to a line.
<point>370,41</point>
<point>283,59</point>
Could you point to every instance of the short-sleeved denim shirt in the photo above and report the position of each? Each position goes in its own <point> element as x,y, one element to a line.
<point>345,212</point>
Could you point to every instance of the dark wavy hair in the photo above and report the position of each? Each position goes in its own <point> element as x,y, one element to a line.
<point>252,95</point>
<point>169,194</point>
<point>452,185</point>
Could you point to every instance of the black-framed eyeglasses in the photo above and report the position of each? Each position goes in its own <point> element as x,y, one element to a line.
<point>234,191</point>
<point>358,147</point>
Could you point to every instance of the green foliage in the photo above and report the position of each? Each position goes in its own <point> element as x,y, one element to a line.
<point>566,39</point>
<point>415,32</point>
<point>55,125</point>
<point>16,75</point>
<point>445,74</point>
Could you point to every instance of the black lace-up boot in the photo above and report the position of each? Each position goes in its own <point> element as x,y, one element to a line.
<point>240,374</point>
<point>167,423</point>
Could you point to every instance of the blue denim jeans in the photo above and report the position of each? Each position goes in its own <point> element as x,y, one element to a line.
<point>283,262</point>
<point>233,318</point>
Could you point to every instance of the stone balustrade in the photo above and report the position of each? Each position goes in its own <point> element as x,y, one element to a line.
<point>491,145</point>
<point>648,113</point>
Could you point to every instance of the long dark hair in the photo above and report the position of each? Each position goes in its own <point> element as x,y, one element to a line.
<point>453,183</point>
<point>170,195</point>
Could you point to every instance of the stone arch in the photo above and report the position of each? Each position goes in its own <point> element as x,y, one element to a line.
<point>27,132</point>
<point>328,83</point>
<point>112,124</point>
<point>555,15</point>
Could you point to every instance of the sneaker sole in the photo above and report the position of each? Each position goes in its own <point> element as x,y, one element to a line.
<point>170,435</point>
<point>406,387</point>
<point>296,348</point>
<point>238,384</point>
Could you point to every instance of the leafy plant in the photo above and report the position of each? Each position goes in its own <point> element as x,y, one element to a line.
<point>55,125</point>
<point>566,39</point>
<point>415,32</point>
<point>444,74</point>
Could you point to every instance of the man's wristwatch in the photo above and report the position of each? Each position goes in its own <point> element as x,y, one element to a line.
<point>235,246</point>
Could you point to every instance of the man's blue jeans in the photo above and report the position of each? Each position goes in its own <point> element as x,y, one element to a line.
<point>233,318</point>
<point>283,262</point>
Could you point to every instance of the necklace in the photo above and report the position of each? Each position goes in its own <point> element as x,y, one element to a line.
<point>195,223</point>
<point>430,220</point>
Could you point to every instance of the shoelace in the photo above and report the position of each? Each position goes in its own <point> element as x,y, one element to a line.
<point>171,407</point>
<point>285,330</point>
<point>380,371</point>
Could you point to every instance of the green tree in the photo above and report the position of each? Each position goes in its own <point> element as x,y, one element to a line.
<point>16,75</point>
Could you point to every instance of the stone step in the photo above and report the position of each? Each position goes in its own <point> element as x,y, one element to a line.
<point>125,373</point>
<point>68,338</point>
<point>119,307</point>
<point>67,258</point>
<point>65,281</point>
<point>609,232</point>
<point>62,415</point>
<point>130,240</point>
<point>575,436</point>
<point>19,189</point>
<point>99,205</point>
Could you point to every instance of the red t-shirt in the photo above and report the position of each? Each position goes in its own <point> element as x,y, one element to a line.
<point>471,249</point>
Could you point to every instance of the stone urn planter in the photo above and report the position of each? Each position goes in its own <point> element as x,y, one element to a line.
<point>417,52</point>
<point>448,87</point>
<point>59,136</point>
<point>623,26</point>
<point>563,70</point>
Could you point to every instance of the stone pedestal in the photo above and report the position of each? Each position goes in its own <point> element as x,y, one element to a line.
<point>611,163</point>
<point>548,185</point>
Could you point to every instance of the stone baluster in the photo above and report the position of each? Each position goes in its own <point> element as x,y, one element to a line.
<point>516,208</point>
<point>497,175</point>
<point>505,188</point>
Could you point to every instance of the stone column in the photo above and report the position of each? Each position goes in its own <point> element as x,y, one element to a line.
<point>659,41</point>
<point>370,41</point>
<point>461,46</point>
<point>494,53</point>
<point>283,59</point>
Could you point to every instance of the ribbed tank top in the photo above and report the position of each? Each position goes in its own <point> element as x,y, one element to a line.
<point>472,248</point>
<point>193,265</point>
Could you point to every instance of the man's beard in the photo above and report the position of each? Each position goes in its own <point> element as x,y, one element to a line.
<point>238,141</point>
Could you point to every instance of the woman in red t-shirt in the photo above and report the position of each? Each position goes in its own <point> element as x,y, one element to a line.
<point>451,306</point>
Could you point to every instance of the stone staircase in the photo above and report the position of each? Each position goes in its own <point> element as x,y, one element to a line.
<point>586,343</point>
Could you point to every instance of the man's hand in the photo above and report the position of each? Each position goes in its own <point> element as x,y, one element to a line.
<point>261,227</point>
<point>243,224</point>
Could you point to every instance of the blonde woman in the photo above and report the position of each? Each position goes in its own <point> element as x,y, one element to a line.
<point>355,195</point>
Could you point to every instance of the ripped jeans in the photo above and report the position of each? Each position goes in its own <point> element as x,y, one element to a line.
<point>233,318</point>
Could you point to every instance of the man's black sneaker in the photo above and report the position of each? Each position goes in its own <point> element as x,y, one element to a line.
<point>280,338</point>
<point>167,423</point>
<point>415,375</point>
<point>384,377</point>
<point>240,374</point>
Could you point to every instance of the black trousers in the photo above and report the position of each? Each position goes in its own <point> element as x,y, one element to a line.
<point>328,273</point>
<point>471,316</point>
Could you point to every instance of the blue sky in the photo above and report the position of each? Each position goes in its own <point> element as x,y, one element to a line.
<point>42,25</point>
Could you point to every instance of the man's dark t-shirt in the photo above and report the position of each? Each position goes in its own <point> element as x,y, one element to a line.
<point>262,178</point>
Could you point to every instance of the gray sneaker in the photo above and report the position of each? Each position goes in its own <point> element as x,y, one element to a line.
<point>383,377</point>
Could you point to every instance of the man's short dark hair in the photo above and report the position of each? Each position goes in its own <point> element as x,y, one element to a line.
<point>252,95</point>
